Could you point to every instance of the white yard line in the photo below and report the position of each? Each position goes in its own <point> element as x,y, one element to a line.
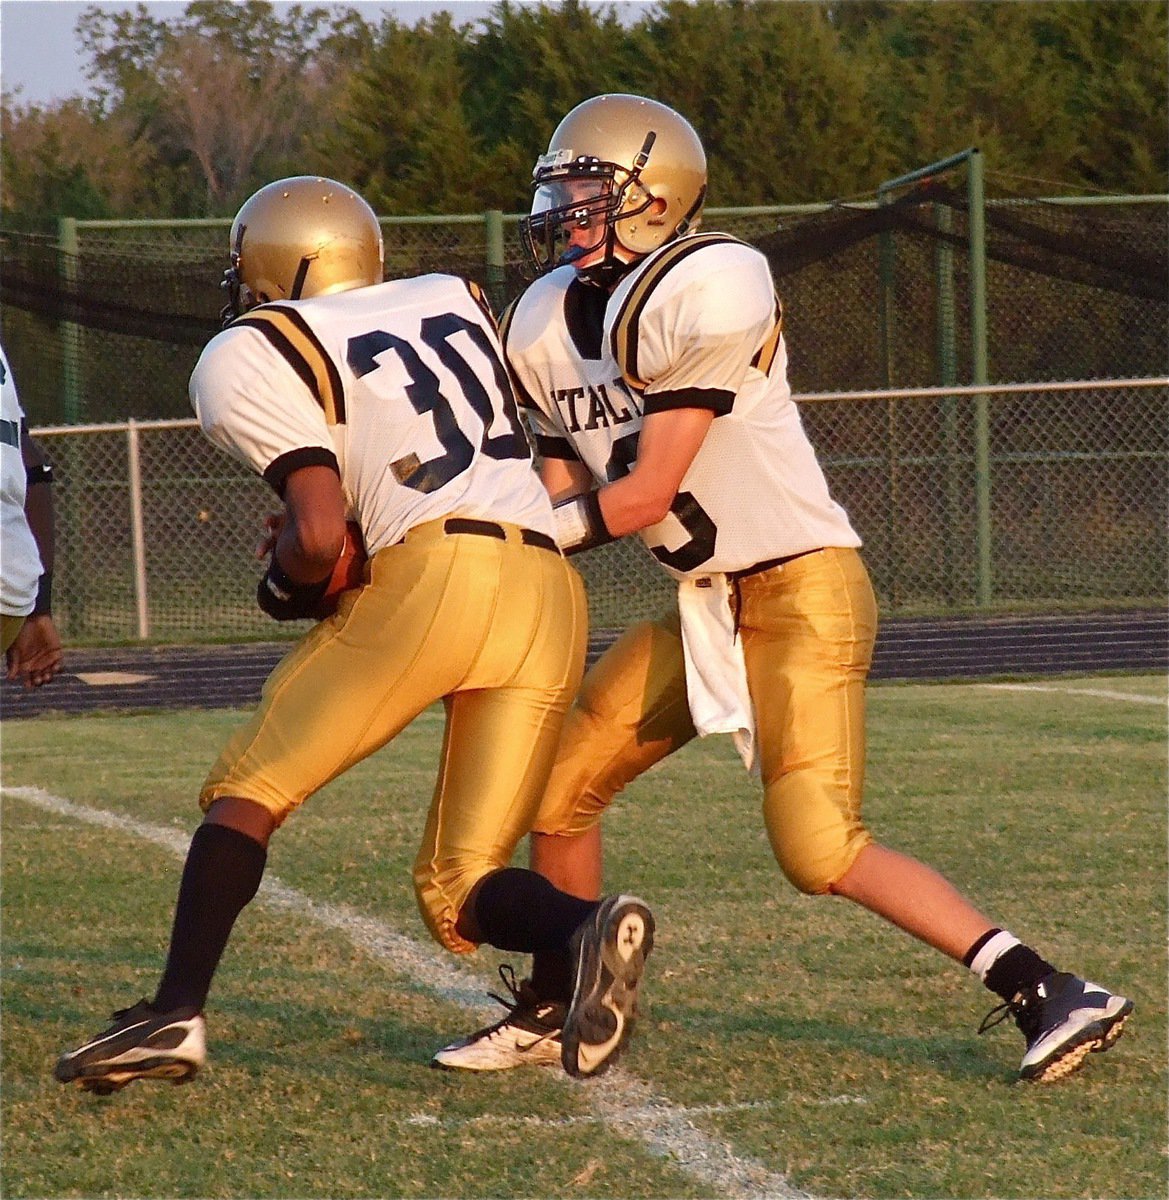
<point>1101,693</point>
<point>625,1104</point>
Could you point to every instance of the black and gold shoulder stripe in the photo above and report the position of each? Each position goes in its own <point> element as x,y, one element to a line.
<point>765,355</point>
<point>629,314</point>
<point>480,298</point>
<point>505,321</point>
<point>522,396</point>
<point>290,334</point>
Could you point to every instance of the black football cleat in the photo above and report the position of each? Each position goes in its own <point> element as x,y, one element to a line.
<point>1063,1018</point>
<point>610,950</point>
<point>140,1044</point>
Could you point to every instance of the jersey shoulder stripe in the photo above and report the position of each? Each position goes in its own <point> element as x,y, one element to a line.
<point>628,315</point>
<point>480,298</point>
<point>765,355</point>
<point>505,321</point>
<point>523,398</point>
<point>292,337</point>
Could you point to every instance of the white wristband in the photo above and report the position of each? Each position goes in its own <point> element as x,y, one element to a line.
<point>580,524</point>
<point>572,526</point>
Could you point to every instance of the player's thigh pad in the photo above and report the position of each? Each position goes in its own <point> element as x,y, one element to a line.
<point>9,627</point>
<point>808,631</point>
<point>503,727</point>
<point>631,713</point>
<point>423,626</point>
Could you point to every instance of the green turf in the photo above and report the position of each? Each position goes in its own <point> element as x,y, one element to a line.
<point>803,1036</point>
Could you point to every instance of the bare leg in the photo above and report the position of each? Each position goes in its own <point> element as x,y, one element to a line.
<point>244,816</point>
<point>915,898</point>
<point>573,864</point>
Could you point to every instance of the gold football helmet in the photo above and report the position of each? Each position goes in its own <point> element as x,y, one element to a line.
<point>630,169</point>
<point>300,237</point>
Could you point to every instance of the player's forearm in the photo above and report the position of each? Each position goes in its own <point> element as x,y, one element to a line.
<point>635,502</point>
<point>591,518</point>
<point>38,497</point>
<point>38,509</point>
<point>313,530</point>
<point>667,446</point>
<point>307,551</point>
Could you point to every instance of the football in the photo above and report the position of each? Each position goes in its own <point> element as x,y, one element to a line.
<point>349,571</point>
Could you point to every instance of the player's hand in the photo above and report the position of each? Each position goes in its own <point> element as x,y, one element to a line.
<point>36,655</point>
<point>273,523</point>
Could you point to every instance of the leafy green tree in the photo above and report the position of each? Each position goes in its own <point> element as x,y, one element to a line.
<point>226,92</point>
<point>446,118</point>
<point>528,66</point>
<point>782,108</point>
<point>61,160</point>
<point>1054,94</point>
<point>400,136</point>
<point>1114,56</point>
<point>796,101</point>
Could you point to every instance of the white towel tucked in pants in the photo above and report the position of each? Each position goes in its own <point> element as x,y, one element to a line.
<point>716,672</point>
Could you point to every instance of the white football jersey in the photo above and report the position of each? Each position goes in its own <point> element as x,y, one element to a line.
<point>19,557</point>
<point>695,325</point>
<point>401,384</point>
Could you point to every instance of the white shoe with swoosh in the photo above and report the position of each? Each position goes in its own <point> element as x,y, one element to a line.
<point>610,950</point>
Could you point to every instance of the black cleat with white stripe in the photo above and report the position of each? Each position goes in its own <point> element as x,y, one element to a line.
<point>610,950</point>
<point>140,1044</point>
<point>1063,1018</point>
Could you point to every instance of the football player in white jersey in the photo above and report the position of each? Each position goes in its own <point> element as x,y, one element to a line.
<point>32,645</point>
<point>651,359</point>
<point>387,404</point>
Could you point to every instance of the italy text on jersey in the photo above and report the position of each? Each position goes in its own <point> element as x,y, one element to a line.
<point>754,491</point>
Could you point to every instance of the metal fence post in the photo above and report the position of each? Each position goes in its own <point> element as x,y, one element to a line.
<point>495,259</point>
<point>137,531</point>
<point>885,312</point>
<point>948,405</point>
<point>67,258</point>
<point>979,374</point>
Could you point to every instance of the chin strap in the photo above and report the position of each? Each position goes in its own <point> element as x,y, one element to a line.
<point>607,274</point>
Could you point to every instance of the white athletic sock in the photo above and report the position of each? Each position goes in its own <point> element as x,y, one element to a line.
<point>998,945</point>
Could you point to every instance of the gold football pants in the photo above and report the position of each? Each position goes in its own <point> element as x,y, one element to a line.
<point>808,629</point>
<point>9,628</point>
<point>496,629</point>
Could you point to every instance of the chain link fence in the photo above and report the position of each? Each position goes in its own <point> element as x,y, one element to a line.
<point>160,529</point>
<point>1016,498</point>
<point>105,322</point>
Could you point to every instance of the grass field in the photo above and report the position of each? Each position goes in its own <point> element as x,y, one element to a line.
<point>789,1046</point>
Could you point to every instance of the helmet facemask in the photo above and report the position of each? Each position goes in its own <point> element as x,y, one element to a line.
<point>239,295</point>
<point>582,193</point>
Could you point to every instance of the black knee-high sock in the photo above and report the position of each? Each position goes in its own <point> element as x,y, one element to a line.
<point>519,910</point>
<point>222,874</point>
<point>552,976</point>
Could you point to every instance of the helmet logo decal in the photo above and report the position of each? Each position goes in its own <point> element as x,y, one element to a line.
<point>552,160</point>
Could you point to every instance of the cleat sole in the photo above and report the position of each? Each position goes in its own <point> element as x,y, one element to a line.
<point>600,1024</point>
<point>1093,1039</point>
<point>106,1081</point>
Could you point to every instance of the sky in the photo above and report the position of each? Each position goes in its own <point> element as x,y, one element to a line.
<point>40,55</point>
